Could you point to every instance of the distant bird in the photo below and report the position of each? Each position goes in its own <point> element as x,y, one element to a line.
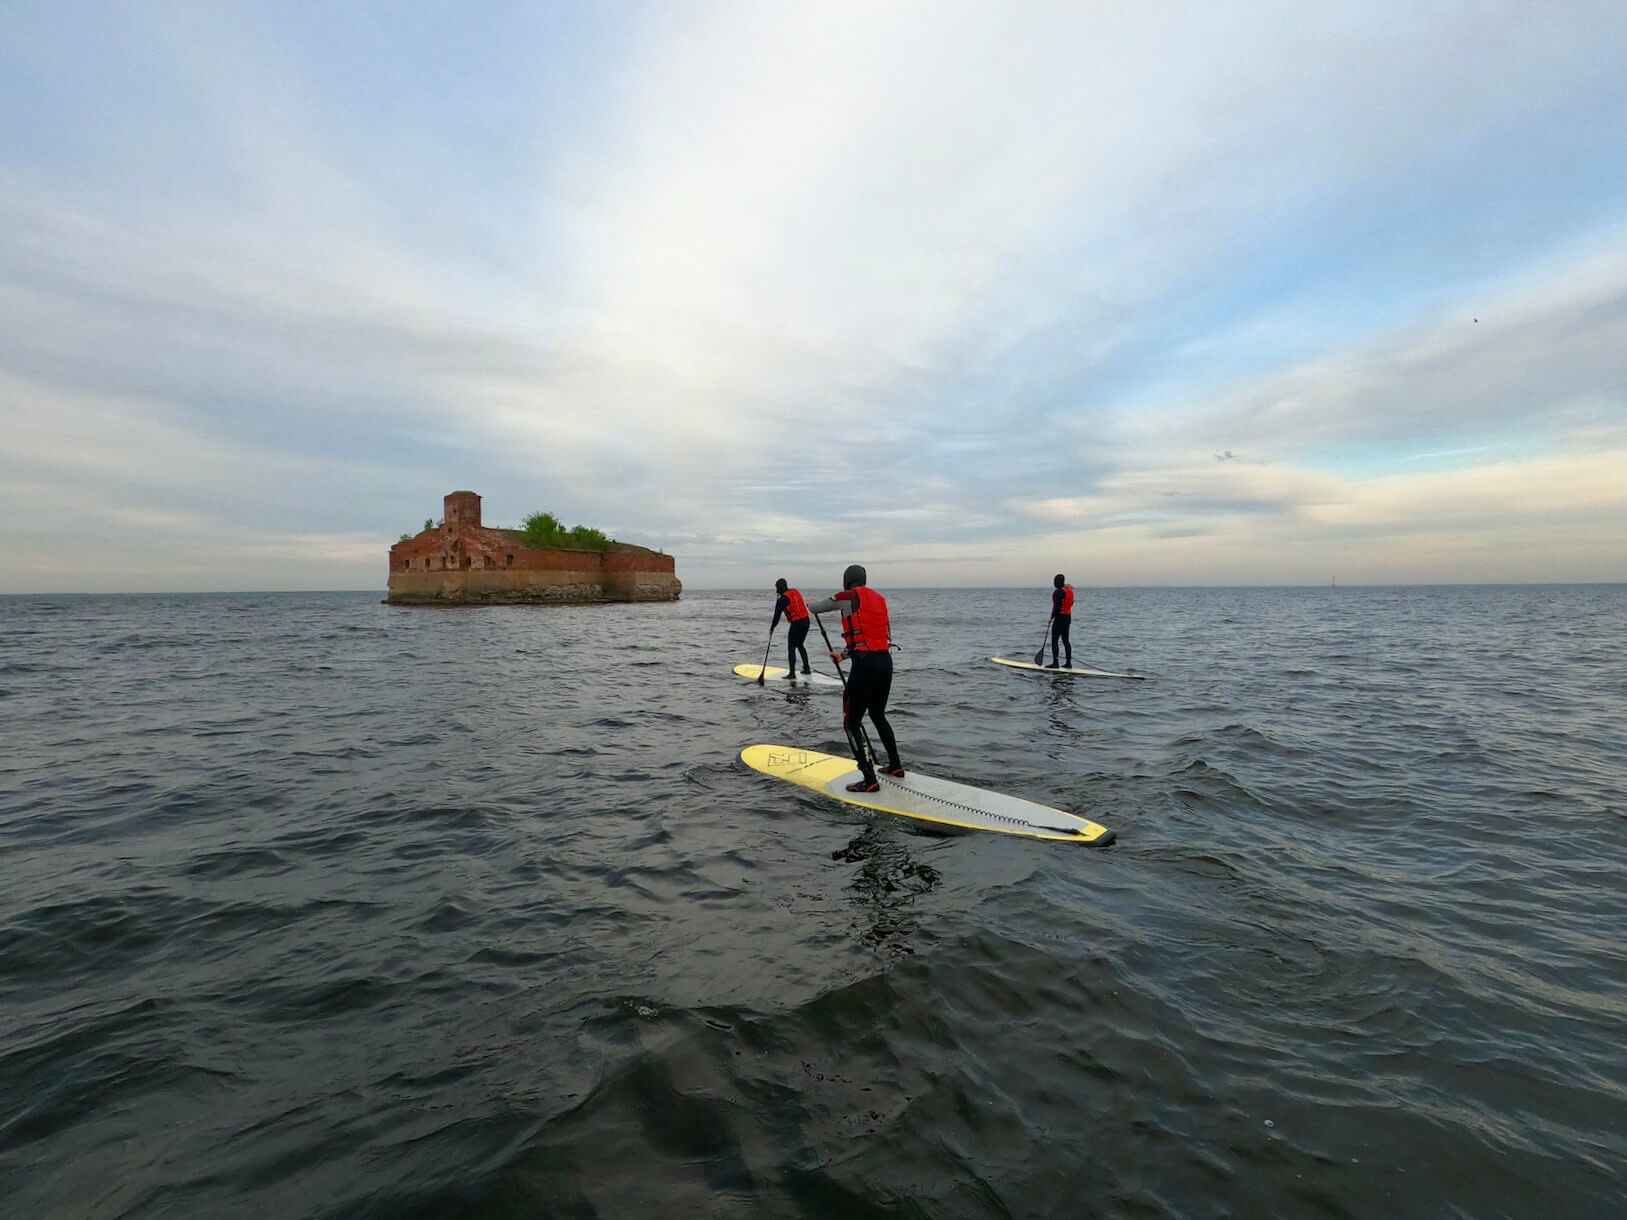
<point>1477,319</point>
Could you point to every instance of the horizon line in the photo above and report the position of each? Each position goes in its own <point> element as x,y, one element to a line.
<point>1458,584</point>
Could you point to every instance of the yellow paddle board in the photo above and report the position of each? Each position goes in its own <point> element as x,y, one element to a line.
<point>783,676</point>
<point>941,804</point>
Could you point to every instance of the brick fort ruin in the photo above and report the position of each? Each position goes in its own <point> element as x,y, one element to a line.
<point>462,562</point>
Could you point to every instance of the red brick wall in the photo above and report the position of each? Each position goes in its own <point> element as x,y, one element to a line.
<point>463,562</point>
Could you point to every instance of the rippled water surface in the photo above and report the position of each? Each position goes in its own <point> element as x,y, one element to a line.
<point>318,907</point>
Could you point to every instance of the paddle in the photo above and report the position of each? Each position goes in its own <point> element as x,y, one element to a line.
<point>831,652</point>
<point>762,674</point>
<point>869,750</point>
<point>1039,657</point>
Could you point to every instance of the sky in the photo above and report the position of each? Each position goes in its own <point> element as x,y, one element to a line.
<point>971,293</point>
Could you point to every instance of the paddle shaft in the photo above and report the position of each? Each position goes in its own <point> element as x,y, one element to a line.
<point>868,748</point>
<point>831,651</point>
<point>762,674</point>
<point>1039,657</point>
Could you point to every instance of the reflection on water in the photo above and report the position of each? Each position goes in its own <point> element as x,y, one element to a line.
<point>886,884</point>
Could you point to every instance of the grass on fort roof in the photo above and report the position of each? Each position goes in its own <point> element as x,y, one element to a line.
<point>545,529</point>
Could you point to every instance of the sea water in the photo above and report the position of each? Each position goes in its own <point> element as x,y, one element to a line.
<point>318,907</point>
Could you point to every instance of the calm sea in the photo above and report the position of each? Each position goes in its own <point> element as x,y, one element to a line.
<point>318,907</point>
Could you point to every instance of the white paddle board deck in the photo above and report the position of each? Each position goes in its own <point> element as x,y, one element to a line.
<point>1078,673</point>
<point>785,677</point>
<point>939,803</point>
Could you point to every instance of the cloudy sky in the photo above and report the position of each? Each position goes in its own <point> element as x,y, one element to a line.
<point>1152,293</point>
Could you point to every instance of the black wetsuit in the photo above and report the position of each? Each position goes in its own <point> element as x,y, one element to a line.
<point>1060,623</point>
<point>796,635</point>
<point>869,682</point>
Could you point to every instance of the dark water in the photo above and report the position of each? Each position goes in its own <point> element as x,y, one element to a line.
<point>318,907</point>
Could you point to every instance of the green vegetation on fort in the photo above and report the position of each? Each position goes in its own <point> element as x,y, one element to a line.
<point>545,529</point>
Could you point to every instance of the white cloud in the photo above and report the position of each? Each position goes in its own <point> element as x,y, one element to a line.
<point>918,275</point>
<point>1589,487</point>
<point>1542,366</point>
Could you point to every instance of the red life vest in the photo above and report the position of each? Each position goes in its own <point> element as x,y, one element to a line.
<point>865,629</point>
<point>795,608</point>
<point>1067,600</point>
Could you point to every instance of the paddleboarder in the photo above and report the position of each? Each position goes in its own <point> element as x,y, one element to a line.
<point>1061,619</point>
<point>790,603</point>
<point>868,640</point>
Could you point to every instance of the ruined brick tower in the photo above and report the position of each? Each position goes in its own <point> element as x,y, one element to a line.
<point>462,510</point>
<point>462,561</point>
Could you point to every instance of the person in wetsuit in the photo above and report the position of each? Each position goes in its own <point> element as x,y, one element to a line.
<point>790,604</point>
<point>867,635</point>
<point>1061,618</point>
